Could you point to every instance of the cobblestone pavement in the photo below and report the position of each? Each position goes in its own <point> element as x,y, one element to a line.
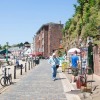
<point>36,85</point>
<point>94,83</point>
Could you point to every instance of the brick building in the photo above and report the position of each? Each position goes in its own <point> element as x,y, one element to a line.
<point>48,38</point>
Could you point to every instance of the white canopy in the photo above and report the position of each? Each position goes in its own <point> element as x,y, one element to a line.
<point>28,51</point>
<point>73,49</point>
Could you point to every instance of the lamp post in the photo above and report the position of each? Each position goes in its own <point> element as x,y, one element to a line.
<point>90,54</point>
<point>7,51</point>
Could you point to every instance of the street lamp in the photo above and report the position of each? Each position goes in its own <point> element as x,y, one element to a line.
<point>90,54</point>
<point>7,51</point>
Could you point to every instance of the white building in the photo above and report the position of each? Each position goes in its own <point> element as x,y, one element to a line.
<point>34,49</point>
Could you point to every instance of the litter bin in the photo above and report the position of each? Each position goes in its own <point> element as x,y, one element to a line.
<point>37,61</point>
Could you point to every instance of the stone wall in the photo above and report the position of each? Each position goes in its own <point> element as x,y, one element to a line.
<point>96,59</point>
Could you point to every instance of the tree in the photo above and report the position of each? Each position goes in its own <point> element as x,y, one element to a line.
<point>0,47</point>
<point>20,44</point>
<point>68,23</point>
<point>84,22</point>
<point>4,46</point>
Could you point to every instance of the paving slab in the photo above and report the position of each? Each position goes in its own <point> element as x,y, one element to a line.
<point>93,81</point>
<point>38,85</point>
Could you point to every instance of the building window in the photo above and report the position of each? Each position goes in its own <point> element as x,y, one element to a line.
<point>42,48</point>
<point>42,41</point>
<point>42,35</point>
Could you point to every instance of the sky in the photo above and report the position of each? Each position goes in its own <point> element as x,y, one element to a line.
<point>21,19</point>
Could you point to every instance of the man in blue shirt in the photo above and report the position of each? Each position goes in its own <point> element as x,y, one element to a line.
<point>74,63</point>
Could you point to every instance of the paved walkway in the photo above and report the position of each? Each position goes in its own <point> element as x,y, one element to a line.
<point>36,85</point>
<point>94,82</point>
<point>12,71</point>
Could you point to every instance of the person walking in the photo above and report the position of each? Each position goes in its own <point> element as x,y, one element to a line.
<point>17,62</point>
<point>53,60</point>
<point>84,62</point>
<point>74,65</point>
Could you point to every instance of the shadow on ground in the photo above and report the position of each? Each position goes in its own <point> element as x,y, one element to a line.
<point>74,92</point>
<point>60,78</point>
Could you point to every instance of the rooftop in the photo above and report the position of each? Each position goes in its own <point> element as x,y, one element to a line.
<point>47,24</point>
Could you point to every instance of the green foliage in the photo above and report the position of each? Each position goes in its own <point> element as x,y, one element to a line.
<point>21,44</point>
<point>98,4</point>
<point>68,23</point>
<point>0,47</point>
<point>63,32</point>
<point>60,53</point>
<point>4,47</point>
<point>92,2</point>
<point>85,21</point>
<point>86,13</point>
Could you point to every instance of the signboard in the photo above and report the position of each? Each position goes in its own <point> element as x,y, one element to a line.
<point>89,39</point>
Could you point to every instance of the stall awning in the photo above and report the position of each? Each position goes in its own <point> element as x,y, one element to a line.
<point>4,51</point>
<point>39,53</point>
<point>72,50</point>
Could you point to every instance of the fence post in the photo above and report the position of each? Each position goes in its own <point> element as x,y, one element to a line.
<point>29,65</point>
<point>25,68</point>
<point>5,72</point>
<point>33,62</point>
<point>14,72</point>
<point>5,75</point>
<point>21,69</point>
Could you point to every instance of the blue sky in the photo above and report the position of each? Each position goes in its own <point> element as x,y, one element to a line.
<point>21,19</point>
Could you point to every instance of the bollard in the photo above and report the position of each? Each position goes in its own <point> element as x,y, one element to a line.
<point>5,76</point>
<point>25,68</point>
<point>21,69</point>
<point>33,63</point>
<point>29,65</point>
<point>14,72</point>
<point>5,72</point>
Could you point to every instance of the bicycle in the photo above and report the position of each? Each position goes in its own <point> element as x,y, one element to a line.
<point>7,78</point>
